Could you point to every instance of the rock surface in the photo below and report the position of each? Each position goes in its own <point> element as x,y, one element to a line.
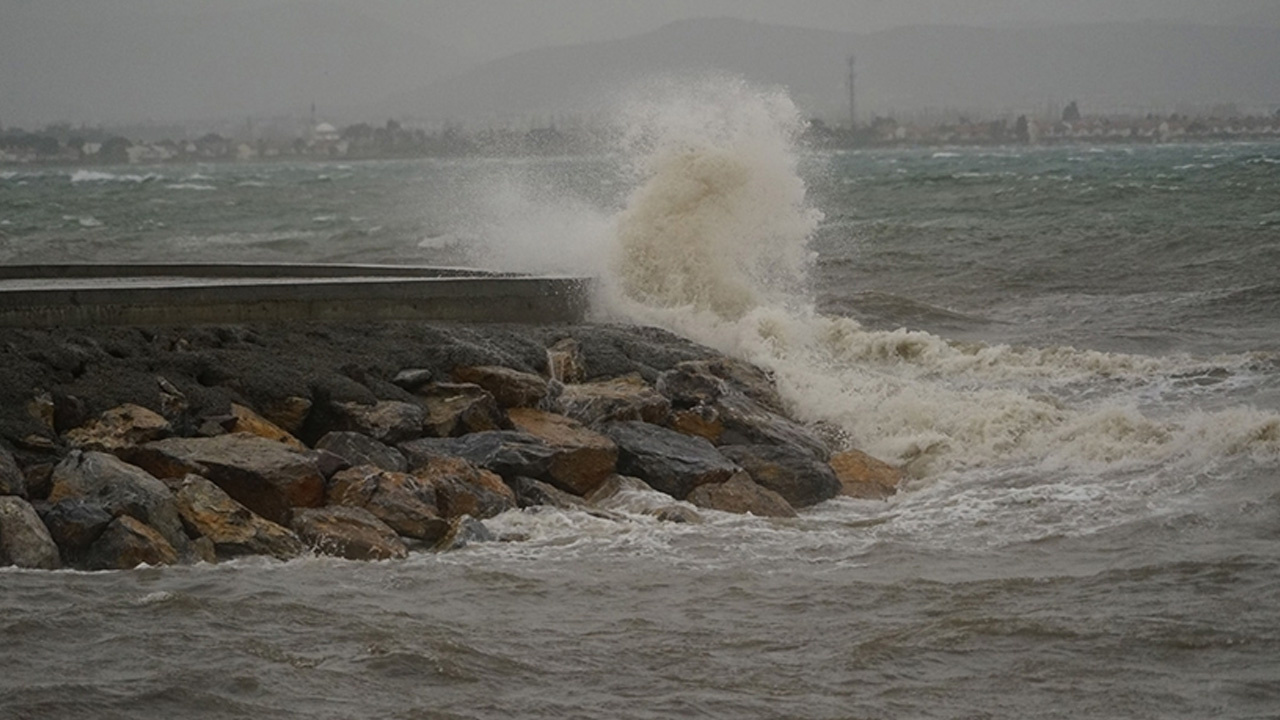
<point>120,489</point>
<point>465,489</point>
<point>120,427</point>
<point>508,453</point>
<point>245,420</point>
<point>127,543</point>
<point>387,421</point>
<point>667,460</point>
<point>621,399</point>
<point>455,409</point>
<point>349,532</point>
<point>12,480</point>
<point>24,540</point>
<point>800,478</point>
<point>582,458</point>
<point>464,531</point>
<point>404,502</point>
<point>862,476</point>
<point>357,449</point>
<point>209,512</point>
<point>511,388</point>
<point>742,495</point>
<point>74,524</point>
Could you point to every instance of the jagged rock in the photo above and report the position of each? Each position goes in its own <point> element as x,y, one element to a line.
<point>74,523</point>
<point>120,489</point>
<point>245,420</point>
<point>359,449</point>
<point>862,476</point>
<point>41,409</point>
<point>412,378</point>
<point>746,378</point>
<point>24,540</point>
<point>615,485</point>
<point>465,489</point>
<point>667,460</point>
<point>464,531</point>
<point>388,421</point>
<point>202,549</point>
<point>173,402</point>
<point>39,479</point>
<point>267,477</point>
<point>210,513</point>
<point>404,502</point>
<point>288,413</point>
<point>535,493</point>
<point>120,427</point>
<point>700,421</point>
<point>677,514</point>
<point>746,422</point>
<point>329,464</point>
<point>582,459</point>
<point>800,478</point>
<point>621,399</point>
<point>350,532</point>
<point>127,543</point>
<point>511,388</point>
<point>740,494</point>
<point>505,452</point>
<point>12,480</point>
<point>691,384</point>
<point>565,362</point>
<point>460,408</point>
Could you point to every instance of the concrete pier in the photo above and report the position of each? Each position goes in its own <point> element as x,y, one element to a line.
<point>162,294</point>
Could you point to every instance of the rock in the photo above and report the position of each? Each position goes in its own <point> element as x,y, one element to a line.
<point>388,421</point>
<point>800,478</point>
<point>288,413</point>
<point>465,489</point>
<point>677,514</point>
<point>582,459</point>
<point>12,479</point>
<point>24,540</point>
<point>746,422</point>
<point>626,398</point>
<point>202,549</point>
<point>742,495</point>
<point>462,532</point>
<point>173,402</point>
<point>359,449</point>
<point>535,493</point>
<point>412,378</point>
<point>120,427</point>
<point>267,477</point>
<point>74,524</point>
<point>565,362</point>
<point>405,503</point>
<point>245,420</point>
<point>862,476</point>
<point>349,532</point>
<point>701,421</point>
<point>39,478</point>
<point>505,452</point>
<point>458,409</point>
<point>691,384</point>
<point>120,489</point>
<point>127,543</point>
<point>41,409</point>
<point>616,485</point>
<point>39,444</point>
<point>667,460</point>
<point>329,464</point>
<point>511,388</point>
<point>210,513</point>
<point>745,378</point>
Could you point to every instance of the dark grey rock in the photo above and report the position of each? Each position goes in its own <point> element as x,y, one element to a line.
<point>24,540</point>
<point>668,461</point>
<point>358,449</point>
<point>799,477</point>
<point>120,489</point>
<point>508,453</point>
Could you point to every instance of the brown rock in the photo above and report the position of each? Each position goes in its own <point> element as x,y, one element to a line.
<point>800,478</point>
<point>289,413</point>
<point>701,421</point>
<point>120,427</point>
<point>464,489</point>
<point>387,421</point>
<point>741,495</point>
<point>464,531</point>
<point>267,477</point>
<point>173,402</point>
<point>582,459</point>
<point>210,513</point>
<point>621,399</point>
<point>41,409</point>
<point>404,502</point>
<point>511,388</point>
<point>12,480</point>
<point>127,543</point>
<point>349,532</point>
<point>565,362</point>
<point>245,420</point>
<point>120,489</point>
<point>24,540</point>
<point>455,409</point>
<point>357,449</point>
<point>862,476</point>
<point>668,461</point>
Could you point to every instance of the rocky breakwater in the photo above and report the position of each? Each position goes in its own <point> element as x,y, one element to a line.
<point>123,446</point>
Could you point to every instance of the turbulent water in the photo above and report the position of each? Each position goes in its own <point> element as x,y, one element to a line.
<point>1074,351</point>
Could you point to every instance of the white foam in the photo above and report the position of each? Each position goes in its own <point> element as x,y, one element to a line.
<point>82,176</point>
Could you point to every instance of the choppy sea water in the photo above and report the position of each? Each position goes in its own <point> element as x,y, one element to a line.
<point>1076,352</point>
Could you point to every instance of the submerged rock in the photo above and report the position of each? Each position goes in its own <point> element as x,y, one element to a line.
<point>800,478</point>
<point>24,540</point>
<point>405,503</point>
<point>862,476</point>
<point>210,513</point>
<point>464,531</point>
<point>667,460</point>
<point>742,495</point>
<point>349,532</point>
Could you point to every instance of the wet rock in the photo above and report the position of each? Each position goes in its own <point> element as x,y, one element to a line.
<point>210,513</point>
<point>412,378</point>
<point>865,477</point>
<point>800,478</point>
<point>24,540</point>
<point>691,384</point>
<point>455,409</point>
<point>120,427</point>
<point>462,488</point>
<point>506,452</point>
<point>120,489</point>
<point>700,421</point>
<point>667,460</point>
<point>12,480</point>
<point>565,362</point>
<point>41,409</point>
<point>288,413</point>
<point>359,449</point>
<point>746,422</point>
<point>582,458</point>
<point>616,485</point>
<point>742,495</point>
<point>622,399</point>
<point>173,402</point>
<point>39,479</point>
<point>329,464</point>
<point>745,378</point>
<point>677,514</point>
<point>511,388</point>
<point>265,476</point>
<point>464,531</point>
<point>404,502</point>
<point>535,493</point>
<point>349,532</point>
<point>74,524</point>
<point>388,421</point>
<point>245,420</point>
<point>127,543</point>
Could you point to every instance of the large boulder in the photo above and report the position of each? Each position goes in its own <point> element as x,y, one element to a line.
<point>74,524</point>
<point>357,449</point>
<point>862,476</point>
<point>120,489</point>
<point>800,478</point>
<point>667,460</point>
<point>12,479</point>
<point>404,502</point>
<point>127,543</point>
<point>583,458</point>
<point>508,453</point>
<point>455,409</point>
<point>511,388</point>
<point>120,427</point>
<point>289,413</point>
<point>350,532</point>
<point>535,493</point>
<point>207,511</point>
<point>388,421</point>
<point>627,398</point>
<point>265,476</point>
<point>747,422</point>
<point>245,420</point>
<point>24,540</point>
<point>465,489</point>
<point>741,495</point>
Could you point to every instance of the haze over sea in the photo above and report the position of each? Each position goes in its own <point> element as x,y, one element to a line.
<point>1075,352</point>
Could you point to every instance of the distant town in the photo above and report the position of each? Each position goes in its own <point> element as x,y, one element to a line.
<point>316,139</point>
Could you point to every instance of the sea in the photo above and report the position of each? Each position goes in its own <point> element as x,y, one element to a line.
<point>1074,352</point>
